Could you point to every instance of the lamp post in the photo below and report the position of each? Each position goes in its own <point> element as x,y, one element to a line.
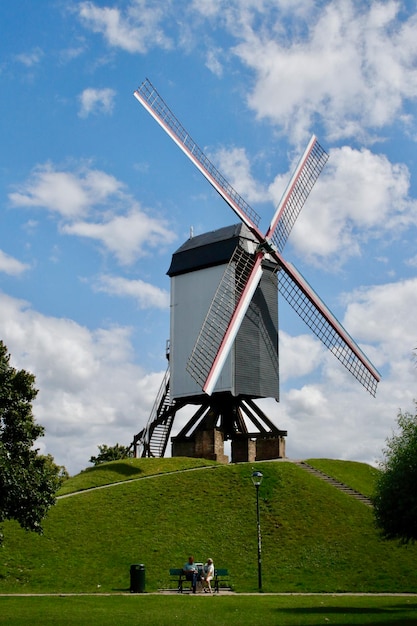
<point>257,479</point>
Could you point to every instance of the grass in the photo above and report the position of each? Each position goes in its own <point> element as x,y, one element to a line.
<point>359,476</point>
<point>314,537</point>
<point>222,611</point>
<point>128,469</point>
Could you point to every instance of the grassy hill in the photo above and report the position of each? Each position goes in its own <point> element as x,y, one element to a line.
<point>129,469</point>
<point>314,537</point>
<point>358,476</point>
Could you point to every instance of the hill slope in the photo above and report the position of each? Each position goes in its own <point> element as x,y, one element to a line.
<point>314,538</point>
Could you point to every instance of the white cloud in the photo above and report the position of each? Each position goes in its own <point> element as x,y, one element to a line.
<point>10,265</point>
<point>235,165</point>
<point>126,236</point>
<point>359,196</point>
<point>213,62</point>
<point>336,418</point>
<point>116,221</point>
<point>71,53</point>
<point>96,101</point>
<point>385,315</point>
<point>208,8</point>
<point>70,194</point>
<point>146,295</point>
<point>136,29</point>
<point>354,69</point>
<point>29,59</point>
<point>90,390</point>
<point>350,65</point>
<point>412,262</point>
<point>298,356</point>
<point>337,425</point>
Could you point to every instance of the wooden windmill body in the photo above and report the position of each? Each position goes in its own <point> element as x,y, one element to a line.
<point>251,368</point>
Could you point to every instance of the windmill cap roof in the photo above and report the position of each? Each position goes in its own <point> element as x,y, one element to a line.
<point>209,249</point>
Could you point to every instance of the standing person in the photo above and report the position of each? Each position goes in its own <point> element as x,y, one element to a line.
<point>208,575</point>
<point>191,572</point>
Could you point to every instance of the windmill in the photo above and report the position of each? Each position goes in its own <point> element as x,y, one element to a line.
<point>209,375</point>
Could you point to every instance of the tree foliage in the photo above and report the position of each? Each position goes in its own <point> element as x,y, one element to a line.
<point>28,480</point>
<point>395,502</point>
<point>111,453</point>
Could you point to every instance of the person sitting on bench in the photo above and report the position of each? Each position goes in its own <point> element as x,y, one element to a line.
<point>208,575</point>
<point>191,573</point>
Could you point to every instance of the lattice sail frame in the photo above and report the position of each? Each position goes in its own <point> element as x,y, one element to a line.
<point>307,304</point>
<point>211,348</point>
<point>160,111</point>
<point>298,189</point>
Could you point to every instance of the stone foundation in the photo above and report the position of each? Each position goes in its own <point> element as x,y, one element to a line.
<point>243,450</point>
<point>183,448</point>
<point>209,444</point>
<point>271,448</point>
<point>206,444</point>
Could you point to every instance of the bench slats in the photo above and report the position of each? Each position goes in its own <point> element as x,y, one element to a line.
<point>221,572</point>
<point>175,572</point>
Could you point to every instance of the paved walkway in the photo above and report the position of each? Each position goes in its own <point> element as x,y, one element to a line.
<point>207,595</point>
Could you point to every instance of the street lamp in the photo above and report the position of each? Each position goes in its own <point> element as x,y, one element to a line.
<point>257,479</point>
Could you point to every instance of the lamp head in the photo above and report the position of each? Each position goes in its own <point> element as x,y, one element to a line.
<point>257,478</point>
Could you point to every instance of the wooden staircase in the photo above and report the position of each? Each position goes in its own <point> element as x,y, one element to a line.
<point>152,440</point>
<point>335,483</point>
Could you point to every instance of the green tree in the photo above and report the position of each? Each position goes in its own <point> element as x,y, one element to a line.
<point>28,480</point>
<point>110,453</point>
<point>395,502</point>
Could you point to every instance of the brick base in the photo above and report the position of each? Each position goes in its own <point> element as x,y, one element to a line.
<point>243,450</point>
<point>273,448</point>
<point>206,444</point>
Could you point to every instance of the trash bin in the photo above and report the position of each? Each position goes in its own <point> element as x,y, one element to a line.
<point>137,578</point>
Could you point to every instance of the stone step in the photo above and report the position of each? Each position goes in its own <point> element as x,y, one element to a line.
<point>335,483</point>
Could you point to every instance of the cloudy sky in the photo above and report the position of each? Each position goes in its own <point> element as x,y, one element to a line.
<point>95,198</point>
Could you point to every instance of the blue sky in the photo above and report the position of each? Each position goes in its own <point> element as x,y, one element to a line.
<point>95,198</point>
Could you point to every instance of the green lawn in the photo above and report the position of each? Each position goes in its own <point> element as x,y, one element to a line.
<point>359,476</point>
<point>314,537</point>
<point>221,611</point>
<point>128,469</point>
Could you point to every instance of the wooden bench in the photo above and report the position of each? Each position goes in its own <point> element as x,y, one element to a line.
<point>221,576</point>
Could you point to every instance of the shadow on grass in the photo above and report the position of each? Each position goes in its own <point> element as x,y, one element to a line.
<point>123,469</point>
<point>394,612</point>
<point>395,621</point>
<point>350,609</point>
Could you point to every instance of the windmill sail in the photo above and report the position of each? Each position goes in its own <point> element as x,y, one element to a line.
<point>147,95</point>
<point>307,304</point>
<point>216,336</point>
<point>233,295</point>
<point>301,183</point>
